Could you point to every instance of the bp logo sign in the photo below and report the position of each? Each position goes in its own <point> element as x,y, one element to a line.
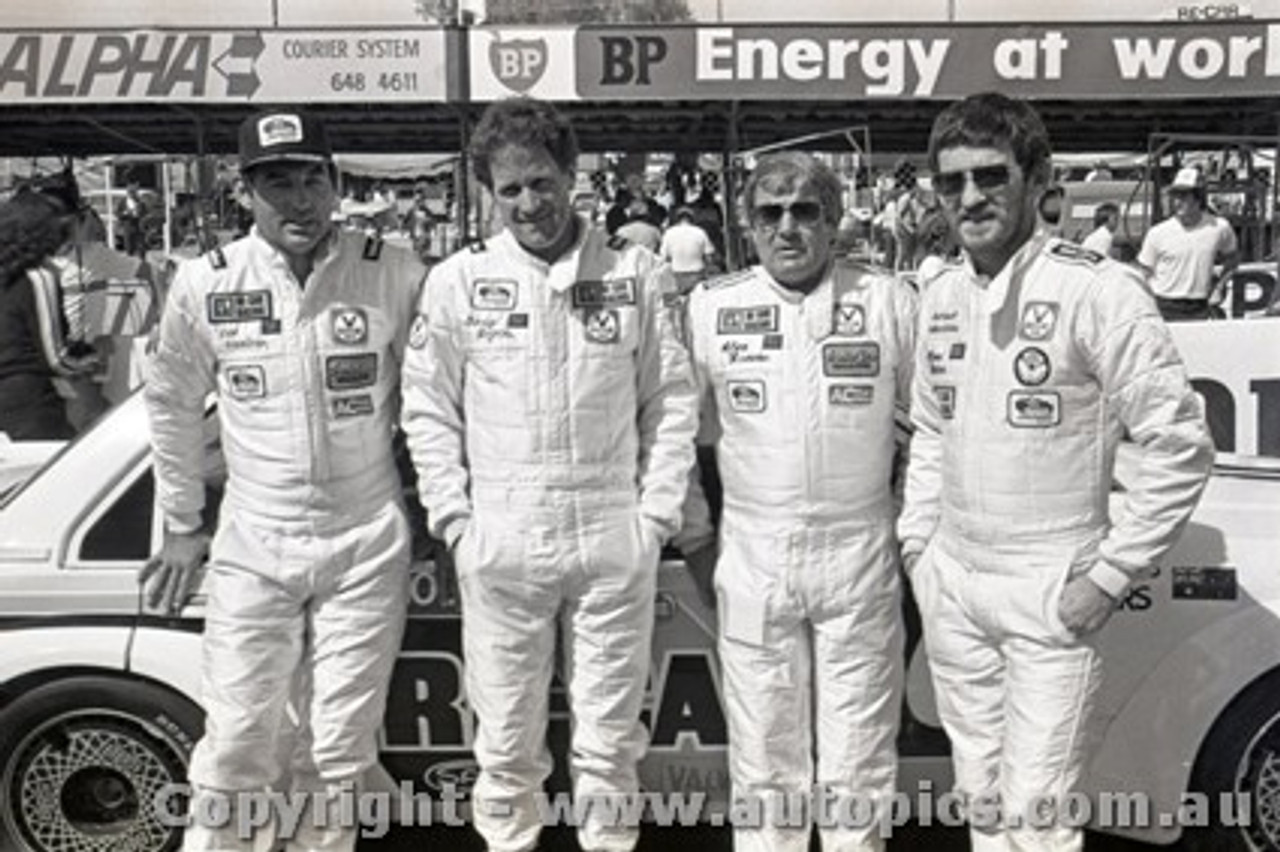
<point>518,63</point>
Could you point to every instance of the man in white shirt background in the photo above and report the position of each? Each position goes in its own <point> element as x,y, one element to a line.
<point>688,249</point>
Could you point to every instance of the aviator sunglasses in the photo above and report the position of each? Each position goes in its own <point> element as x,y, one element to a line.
<point>806,213</point>
<point>985,178</point>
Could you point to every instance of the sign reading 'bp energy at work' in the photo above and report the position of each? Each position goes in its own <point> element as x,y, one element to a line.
<point>203,66</point>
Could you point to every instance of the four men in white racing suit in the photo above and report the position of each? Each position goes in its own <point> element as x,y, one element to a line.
<point>802,363</point>
<point>550,408</point>
<point>299,329</point>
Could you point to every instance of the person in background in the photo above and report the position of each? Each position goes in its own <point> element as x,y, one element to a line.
<point>803,365</point>
<point>1036,361</point>
<point>299,329</point>
<point>639,230</point>
<point>688,250</point>
<point>1179,253</point>
<point>129,212</point>
<point>36,349</point>
<point>1106,221</point>
<point>550,413</point>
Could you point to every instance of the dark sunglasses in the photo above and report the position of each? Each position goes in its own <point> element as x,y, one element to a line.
<point>805,213</point>
<point>985,178</point>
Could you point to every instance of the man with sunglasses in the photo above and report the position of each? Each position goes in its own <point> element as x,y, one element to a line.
<point>802,364</point>
<point>1037,360</point>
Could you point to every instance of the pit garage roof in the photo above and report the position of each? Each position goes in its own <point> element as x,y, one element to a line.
<point>895,125</point>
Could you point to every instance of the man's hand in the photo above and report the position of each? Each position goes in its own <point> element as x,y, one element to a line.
<point>702,565</point>
<point>1084,607</point>
<point>172,576</point>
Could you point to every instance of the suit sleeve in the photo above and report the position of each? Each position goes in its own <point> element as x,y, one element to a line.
<point>1166,446</point>
<point>182,375</point>
<point>697,530</point>
<point>432,385</point>
<point>922,499</point>
<point>667,409</point>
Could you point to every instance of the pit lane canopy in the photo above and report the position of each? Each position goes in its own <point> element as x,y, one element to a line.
<point>701,87</point>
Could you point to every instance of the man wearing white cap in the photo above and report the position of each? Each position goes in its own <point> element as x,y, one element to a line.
<point>300,330</point>
<point>1180,252</point>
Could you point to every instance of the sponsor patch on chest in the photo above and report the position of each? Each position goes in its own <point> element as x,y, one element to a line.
<point>849,320</point>
<point>348,372</point>
<point>602,325</point>
<point>494,294</point>
<point>246,381</point>
<point>852,360</point>
<point>746,396</point>
<point>946,398</point>
<point>1039,319</point>
<point>604,294</point>
<point>1034,409</point>
<point>248,306</point>
<point>760,319</point>
<point>359,405</point>
<point>349,326</point>
<point>850,395</point>
<point>1031,366</point>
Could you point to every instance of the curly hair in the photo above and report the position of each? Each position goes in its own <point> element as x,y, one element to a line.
<point>528,123</point>
<point>33,226</point>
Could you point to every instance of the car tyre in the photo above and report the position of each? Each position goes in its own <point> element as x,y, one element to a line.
<point>1241,755</point>
<point>83,761</point>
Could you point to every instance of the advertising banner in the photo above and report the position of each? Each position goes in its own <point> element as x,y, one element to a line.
<point>815,62</point>
<point>202,66</point>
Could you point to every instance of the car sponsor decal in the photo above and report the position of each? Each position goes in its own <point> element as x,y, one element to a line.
<point>1034,409</point>
<point>850,395</point>
<point>1204,584</point>
<point>494,294</point>
<point>772,341</point>
<point>851,360</point>
<point>604,294</point>
<point>348,372</point>
<point>746,396</point>
<point>518,321</point>
<point>761,319</point>
<point>1031,366</point>
<point>1038,320</point>
<point>360,405</point>
<point>849,320</point>
<point>350,326</point>
<point>246,381</point>
<point>602,325</point>
<point>239,307</point>
<point>946,396</point>
<point>418,332</point>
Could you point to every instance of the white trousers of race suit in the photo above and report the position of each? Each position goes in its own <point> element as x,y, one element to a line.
<point>811,653</point>
<point>523,571</point>
<point>1014,689</point>
<point>303,613</point>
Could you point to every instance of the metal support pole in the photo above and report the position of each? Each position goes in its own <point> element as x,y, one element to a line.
<point>728,175</point>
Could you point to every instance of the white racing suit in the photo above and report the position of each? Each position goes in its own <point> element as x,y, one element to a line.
<point>550,413</point>
<point>803,391</point>
<point>309,567</point>
<point>1024,387</point>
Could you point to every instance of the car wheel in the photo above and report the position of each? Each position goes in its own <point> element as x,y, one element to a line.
<point>84,759</point>
<point>1239,762</point>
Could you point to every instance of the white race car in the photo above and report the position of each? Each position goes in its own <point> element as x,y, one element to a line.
<point>99,696</point>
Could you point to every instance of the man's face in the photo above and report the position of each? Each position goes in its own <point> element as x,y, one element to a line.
<point>989,202</point>
<point>792,234</point>
<point>1186,206</point>
<point>533,196</point>
<point>292,204</point>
